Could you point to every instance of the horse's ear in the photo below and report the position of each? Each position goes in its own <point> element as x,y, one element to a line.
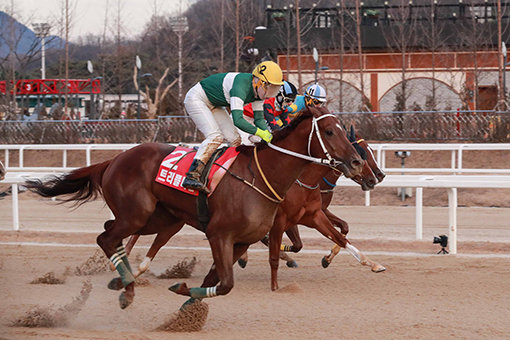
<point>353,134</point>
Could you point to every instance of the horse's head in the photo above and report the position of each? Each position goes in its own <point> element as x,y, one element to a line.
<point>366,178</point>
<point>328,138</point>
<point>374,166</point>
<point>2,171</point>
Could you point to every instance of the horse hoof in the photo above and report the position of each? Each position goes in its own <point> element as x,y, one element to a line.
<point>125,300</point>
<point>292,264</point>
<point>188,302</point>
<point>179,288</point>
<point>325,263</point>
<point>378,268</point>
<point>115,284</point>
<point>242,263</point>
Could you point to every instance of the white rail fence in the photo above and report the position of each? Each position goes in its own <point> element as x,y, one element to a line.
<point>429,178</point>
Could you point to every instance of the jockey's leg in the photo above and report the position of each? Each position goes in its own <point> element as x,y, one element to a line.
<point>227,127</point>
<point>201,111</point>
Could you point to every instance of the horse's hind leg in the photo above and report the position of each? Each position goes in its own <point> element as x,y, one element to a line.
<point>131,219</point>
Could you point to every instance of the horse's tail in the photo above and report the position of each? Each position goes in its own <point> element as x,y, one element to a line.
<point>84,184</point>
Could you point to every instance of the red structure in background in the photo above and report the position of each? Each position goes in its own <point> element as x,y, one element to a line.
<point>53,86</point>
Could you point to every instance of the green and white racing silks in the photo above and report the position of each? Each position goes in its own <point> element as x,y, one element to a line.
<point>235,90</point>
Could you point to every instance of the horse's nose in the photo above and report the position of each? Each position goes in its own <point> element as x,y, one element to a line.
<point>372,182</point>
<point>380,175</point>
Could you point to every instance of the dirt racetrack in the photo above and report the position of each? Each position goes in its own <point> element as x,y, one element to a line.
<point>420,296</point>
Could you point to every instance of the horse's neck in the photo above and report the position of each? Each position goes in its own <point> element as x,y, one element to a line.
<point>313,173</point>
<point>284,169</point>
<point>331,176</point>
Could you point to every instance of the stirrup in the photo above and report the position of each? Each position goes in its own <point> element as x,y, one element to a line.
<point>194,184</point>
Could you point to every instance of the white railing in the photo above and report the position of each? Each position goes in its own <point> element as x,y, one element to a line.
<point>456,167</point>
<point>456,156</point>
<point>428,178</point>
<point>88,148</point>
<point>449,182</point>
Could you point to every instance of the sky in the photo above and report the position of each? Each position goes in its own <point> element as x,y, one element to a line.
<point>88,16</point>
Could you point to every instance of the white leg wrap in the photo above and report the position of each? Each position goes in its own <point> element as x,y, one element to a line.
<point>211,291</point>
<point>116,259</point>
<point>145,264</point>
<point>353,251</point>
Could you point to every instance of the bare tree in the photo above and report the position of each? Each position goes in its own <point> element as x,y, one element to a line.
<point>153,105</point>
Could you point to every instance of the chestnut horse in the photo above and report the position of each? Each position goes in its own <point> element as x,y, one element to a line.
<point>327,186</point>
<point>129,189</point>
<point>306,208</point>
<point>327,195</point>
<point>300,197</point>
<point>366,180</point>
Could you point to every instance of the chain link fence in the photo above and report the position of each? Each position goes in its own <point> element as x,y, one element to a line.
<point>474,126</point>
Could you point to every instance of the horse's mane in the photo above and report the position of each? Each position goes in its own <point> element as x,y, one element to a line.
<point>283,133</point>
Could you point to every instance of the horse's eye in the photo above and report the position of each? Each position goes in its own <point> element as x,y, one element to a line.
<point>329,133</point>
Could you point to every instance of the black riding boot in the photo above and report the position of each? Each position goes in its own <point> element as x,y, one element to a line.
<point>192,180</point>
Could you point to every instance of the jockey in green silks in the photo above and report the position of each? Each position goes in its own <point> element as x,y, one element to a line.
<point>206,104</point>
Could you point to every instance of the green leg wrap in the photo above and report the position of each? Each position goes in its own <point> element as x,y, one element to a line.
<point>122,253</point>
<point>199,293</point>
<point>125,273</point>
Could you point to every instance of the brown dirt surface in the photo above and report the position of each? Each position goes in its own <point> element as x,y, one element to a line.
<point>415,298</point>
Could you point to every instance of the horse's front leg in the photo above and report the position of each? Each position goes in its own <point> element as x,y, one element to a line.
<point>319,221</point>
<point>221,271</point>
<point>275,241</point>
<point>165,234</point>
<point>344,228</point>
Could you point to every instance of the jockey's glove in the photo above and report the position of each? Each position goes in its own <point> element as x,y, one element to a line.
<point>264,134</point>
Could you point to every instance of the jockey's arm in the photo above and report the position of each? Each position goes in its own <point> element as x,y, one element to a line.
<point>291,109</point>
<point>236,106</point>
<point>258,119</point>
<point>284,118</point>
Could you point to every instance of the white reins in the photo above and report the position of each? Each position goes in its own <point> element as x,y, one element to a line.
<point>330,161</point>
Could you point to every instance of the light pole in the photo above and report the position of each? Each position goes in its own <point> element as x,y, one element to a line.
<point>179,26</point>
<point>138,63</point>
<point>92,106</point>
<point>316,58</point>
<point>41,30</point>
<point>503,50</point>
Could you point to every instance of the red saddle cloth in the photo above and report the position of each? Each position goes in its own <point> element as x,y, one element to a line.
<point>172,170</point>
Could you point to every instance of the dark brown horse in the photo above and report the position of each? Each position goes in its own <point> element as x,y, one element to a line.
<point>128,187</point>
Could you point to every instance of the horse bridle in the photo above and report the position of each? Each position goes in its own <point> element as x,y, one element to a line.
<point>330,161</point>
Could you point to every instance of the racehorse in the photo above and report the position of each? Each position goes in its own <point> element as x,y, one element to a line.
<point>301,201</point>
<point>239,215</point>
<point>327,196</point>
<point>306,208</point>
<point>2,171</point>
<point>326,185</point>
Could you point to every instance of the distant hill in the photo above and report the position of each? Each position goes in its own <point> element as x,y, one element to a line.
<point>25,39</point>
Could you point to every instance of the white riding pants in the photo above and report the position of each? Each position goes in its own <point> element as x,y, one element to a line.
<point>214,122</point>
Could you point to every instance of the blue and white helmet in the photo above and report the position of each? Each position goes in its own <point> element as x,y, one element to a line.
<point>316,92</point>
